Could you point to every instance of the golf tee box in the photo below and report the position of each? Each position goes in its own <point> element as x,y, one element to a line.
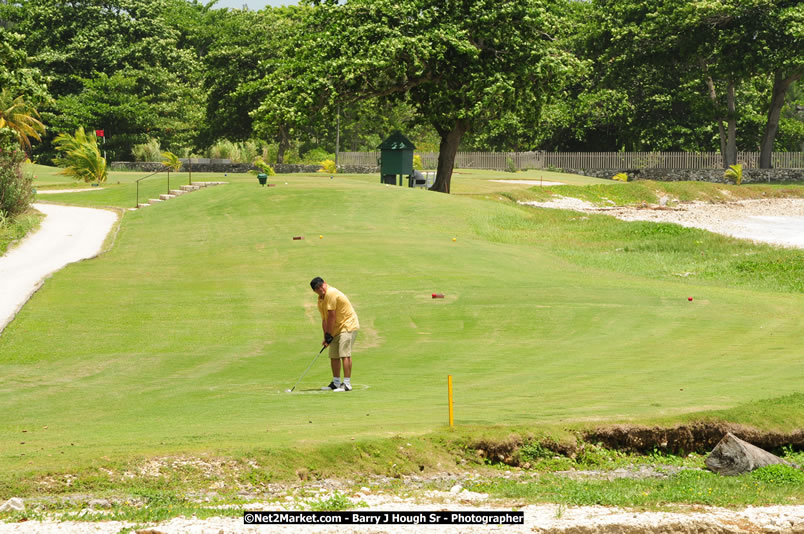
<point>438,295</point>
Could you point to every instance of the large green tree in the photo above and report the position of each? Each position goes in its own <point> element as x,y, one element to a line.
<point>245,49</point>
<point>719,47</point>
<point>461,64</point>
<point>17,75</point>
<point>107,58</point>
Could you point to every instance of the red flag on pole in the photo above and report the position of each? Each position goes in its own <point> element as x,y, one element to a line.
<point>99,133</point>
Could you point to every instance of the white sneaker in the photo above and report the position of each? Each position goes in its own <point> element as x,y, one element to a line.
<point>343,387</point>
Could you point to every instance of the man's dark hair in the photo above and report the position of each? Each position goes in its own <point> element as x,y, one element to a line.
<point>315,282</point>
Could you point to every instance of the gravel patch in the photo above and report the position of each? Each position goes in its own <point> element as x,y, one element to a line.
<point>777,221</point>
<point>544,518</point>
<point>418,495</point>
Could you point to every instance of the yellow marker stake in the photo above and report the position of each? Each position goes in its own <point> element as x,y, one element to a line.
<point>449,394</point>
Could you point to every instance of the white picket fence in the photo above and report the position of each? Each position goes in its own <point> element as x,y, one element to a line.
<point>587,160</point>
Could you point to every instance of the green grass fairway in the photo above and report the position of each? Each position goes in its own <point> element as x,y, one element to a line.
<point>183,336</point>
<point>120,188</point>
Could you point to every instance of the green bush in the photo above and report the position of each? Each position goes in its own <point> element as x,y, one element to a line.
<point>417,162</point>
<point>225,149</point>
<point>16,190</point>
<point>80,156</point>
<point>171,161</point>
<point>510,166</point>
<point>269,153</point>
<point>779,474</point>
<point>533,451</point>
<point>328,166</point>
<point>149,151</point>
<point>316,156</point>
<point>263,167</point>
<point>734,172</point>
<point>244,152</point>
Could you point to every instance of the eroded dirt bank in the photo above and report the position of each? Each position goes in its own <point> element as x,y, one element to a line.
<point>699,438</point>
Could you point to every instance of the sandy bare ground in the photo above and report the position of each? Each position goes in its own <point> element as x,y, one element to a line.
<point>778,221</point>
<point>67,234</point>
<point>543,518</point>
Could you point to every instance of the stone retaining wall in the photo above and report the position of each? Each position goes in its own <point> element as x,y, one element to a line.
<point>153,166</point>
<point>698,175</point>
<point>279,168</point>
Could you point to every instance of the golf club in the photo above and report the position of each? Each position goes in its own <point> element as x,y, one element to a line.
<point>305,371</point>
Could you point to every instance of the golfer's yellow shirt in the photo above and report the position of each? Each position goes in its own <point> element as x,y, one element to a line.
<point>345,316</point>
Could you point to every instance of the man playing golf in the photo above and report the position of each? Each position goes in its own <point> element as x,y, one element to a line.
<point>340,325</point>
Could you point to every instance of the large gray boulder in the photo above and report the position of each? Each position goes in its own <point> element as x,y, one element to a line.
<point>733,456</point>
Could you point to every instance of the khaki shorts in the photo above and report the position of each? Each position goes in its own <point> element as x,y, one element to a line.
<point>341,346</point>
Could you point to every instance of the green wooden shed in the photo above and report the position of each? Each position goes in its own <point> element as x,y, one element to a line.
<point>396,158</point>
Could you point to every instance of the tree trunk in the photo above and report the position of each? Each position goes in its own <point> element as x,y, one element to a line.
<point>733,456</point>
<point>450,139</point>
<point>284,144</point>
<point>722,129</point>
<point>780,87</point>
<point>731,141</point>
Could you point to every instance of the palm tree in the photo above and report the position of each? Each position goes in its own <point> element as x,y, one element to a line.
<point>20,117</point>
<point>81,157</point>
<point>171,161</point>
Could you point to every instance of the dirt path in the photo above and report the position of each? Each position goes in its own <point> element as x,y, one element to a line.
<point>67,234</point>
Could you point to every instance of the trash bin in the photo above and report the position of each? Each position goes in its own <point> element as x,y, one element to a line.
<point>263,178</point>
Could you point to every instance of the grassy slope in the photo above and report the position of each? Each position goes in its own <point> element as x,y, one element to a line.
<point>183,336</point>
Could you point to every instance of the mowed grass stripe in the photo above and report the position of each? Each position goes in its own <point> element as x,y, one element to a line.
<point>183,336</point>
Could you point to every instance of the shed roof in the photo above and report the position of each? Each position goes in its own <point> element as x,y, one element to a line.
<point>397,141</point>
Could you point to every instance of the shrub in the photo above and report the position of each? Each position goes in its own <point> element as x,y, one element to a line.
<point>779,474</point>
<point>734,172</point>
<point>149,151</point>
<point>328,166</point>
<point>417,162</point>
<point>533,451</point>
<point>269,153</point>
<point>263,167</point>
<point>316,156</point>
<point>81,157</point>
<point>171,161</point>
<point>249,151</point>
<point>225,149</point>
<point>16,190</point>
<point>245,152</point>
<point>20,118</point>
<point>620,177</point>
<point>510,165</point>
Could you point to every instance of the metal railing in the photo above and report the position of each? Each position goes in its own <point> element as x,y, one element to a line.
<point>137,205</point>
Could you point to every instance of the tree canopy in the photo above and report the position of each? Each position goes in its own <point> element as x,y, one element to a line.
<point>477,74</point>
<point>459,64</point>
